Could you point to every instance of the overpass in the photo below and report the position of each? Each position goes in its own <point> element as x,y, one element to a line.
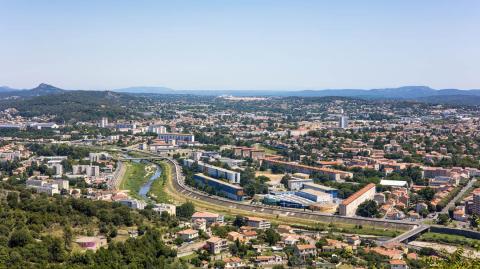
<point>408,235</point>
<point>149,158</point>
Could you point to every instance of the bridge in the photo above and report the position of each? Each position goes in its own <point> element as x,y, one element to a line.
<point>149,158</point>
<point>408,235</point>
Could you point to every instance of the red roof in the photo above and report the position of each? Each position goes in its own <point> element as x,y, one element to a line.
<point>359,193</point>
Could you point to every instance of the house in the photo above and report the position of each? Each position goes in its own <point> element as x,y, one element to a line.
<point>200,225</point>
<point>258,223</point>
<point>398,264</point>
<point>188,235</point>
<point>215,245</point>
<point>282,228</point>
<point>249,235</point>
<point>394,254</point>
<point>233,263</point>
<point>209,217</point>
<point>305,250</point>
<point>261,261</point>
<point>354,240</point>
<point>234,236</point>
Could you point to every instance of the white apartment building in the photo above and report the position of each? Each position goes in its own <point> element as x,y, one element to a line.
<point>215,172</point>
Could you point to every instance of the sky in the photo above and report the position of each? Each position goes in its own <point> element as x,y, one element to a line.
<point>242,44</point>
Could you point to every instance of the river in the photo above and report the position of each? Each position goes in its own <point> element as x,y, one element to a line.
<point>146,187</point>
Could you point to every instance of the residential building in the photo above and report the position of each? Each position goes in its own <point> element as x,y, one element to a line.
<point>169,208</point>
<point>305,250</point>
<point>216,245</point>
<point>177,137</point>
<point>188,235</point>
<point>349,206</point>
<point>220,187</point>
<point>210,218</point>
<point>215,171</point>
<point>258,223</point>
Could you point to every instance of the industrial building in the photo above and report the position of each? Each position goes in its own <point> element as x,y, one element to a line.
<point>314,195</point>
<point>332,191</point>
<point>287,199</point>
<point>296,184</point>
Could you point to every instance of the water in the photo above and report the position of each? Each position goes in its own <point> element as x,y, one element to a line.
<point>146,187</point>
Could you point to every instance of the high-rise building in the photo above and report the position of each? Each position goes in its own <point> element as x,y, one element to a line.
<point>476,203</point>
<point>343,123</point>
<point>103,122</point>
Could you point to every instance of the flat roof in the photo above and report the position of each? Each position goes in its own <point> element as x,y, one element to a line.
<point>398,183</point>
<point>219,181</point>
<point>315,192</point>
<point>323,187</point>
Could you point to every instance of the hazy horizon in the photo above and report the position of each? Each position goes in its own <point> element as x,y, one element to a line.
<point>245,45</point>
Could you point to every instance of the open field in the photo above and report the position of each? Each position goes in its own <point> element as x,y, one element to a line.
<point>267,150</point>
<point>136,175</point>
<point>274,178</point>
<point>157,191</point>
<point>450,239</point>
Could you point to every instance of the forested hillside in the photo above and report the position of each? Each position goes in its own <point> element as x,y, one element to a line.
<point>73,106</point>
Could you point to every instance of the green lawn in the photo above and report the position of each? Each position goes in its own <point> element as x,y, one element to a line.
<point>450,239</point>
<point>267,149</point>
<point>135,177</point>
<point>157,190</point>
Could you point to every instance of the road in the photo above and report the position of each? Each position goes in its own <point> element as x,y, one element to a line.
<point>459,195</point>
<point>275,211</point>
<point>181,187</point>
<point>189,248</point>
<point>408,234</point>
<point>114,182</point>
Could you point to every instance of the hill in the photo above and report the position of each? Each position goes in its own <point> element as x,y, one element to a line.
<point>73,106</point>
<point>42,89</point>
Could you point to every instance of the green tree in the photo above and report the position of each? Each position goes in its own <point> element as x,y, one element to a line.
<point>185,210</point>
<point>368,209</point>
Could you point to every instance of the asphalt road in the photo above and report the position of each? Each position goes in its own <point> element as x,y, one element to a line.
<point>459,195</point>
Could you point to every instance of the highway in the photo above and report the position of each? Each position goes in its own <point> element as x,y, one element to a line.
<point>114,182</point>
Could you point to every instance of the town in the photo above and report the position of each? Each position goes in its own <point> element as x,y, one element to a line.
<point>262,182</point>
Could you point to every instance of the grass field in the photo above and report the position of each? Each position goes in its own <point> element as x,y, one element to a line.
<point>450,239</point>
<point>267,150</point>
<point>157,190</point>
<point>136,175</point>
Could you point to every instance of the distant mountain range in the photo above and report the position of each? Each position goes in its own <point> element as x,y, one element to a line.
<point>415,93</point>
<point>406,92</point>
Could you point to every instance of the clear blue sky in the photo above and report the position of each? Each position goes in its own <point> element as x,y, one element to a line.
<point>242,44</point>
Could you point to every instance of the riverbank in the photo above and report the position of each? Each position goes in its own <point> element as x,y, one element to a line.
<point>157,189</point>
<point>136,175</point>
